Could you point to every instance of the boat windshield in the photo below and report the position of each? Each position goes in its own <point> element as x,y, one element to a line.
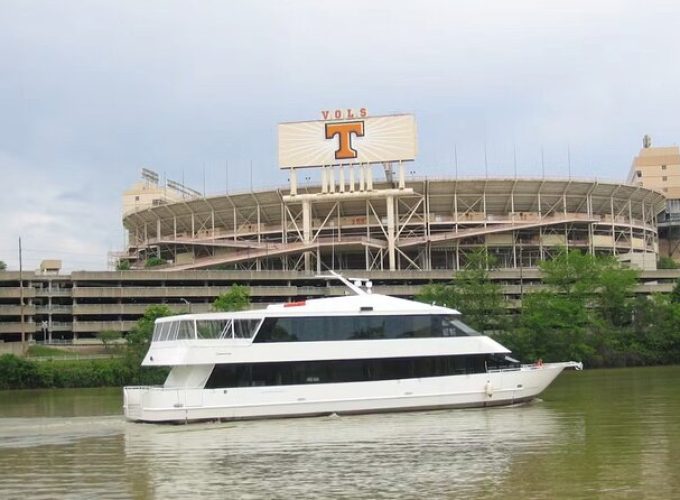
<point>205,329</point>
<point>361,327</point>
<point>453,327</point>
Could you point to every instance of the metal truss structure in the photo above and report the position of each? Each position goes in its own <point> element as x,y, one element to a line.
<point>420,224</point>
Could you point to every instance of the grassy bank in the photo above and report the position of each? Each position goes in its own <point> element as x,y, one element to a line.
<point>21,373</point>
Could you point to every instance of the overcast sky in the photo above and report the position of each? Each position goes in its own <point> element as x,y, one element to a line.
<point>91,92</point>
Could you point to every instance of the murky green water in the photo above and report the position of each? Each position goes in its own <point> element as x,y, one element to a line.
<point>595,434</point>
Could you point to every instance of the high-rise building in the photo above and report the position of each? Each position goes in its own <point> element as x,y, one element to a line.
<point>658,168</point>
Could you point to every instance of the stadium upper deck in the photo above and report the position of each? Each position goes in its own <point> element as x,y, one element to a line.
<point>424,224</point>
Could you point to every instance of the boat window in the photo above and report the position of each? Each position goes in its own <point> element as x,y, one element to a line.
<point>346,370</point>
<point>169,332</point>
<point>245,328</point>
<point>210,328</point>
<point>453,327</point>
<point>228,330</point>
<point>332,328</point>
<point>185,330</point>
<point>173,330</point>
<point>160,329</point>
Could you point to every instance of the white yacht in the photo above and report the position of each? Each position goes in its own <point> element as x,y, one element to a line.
<point>354,354</point>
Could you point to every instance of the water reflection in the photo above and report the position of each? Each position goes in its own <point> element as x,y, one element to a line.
<point>597,434</point>
<point>397,455</point>
<point>392,455</point>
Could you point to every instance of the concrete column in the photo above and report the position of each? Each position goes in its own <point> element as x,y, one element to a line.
<point>369,177</point>
<point>324,188</point>
<point>342,178</point>
<point>351,178</point>
<point>331,179</point>
<point>390,233</point>
<point>293,182</point>
<point>307,231</point>
<point>402,175</point>
<point>235,223</point>
<point>259,225</point>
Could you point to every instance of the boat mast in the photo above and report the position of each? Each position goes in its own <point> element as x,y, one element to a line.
<point>355,287</point>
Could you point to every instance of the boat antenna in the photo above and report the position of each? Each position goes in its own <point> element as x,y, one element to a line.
<point>355,287</point>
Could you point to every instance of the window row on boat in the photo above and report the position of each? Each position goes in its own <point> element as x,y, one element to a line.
<point>226,376</point>
<point>315,328</point>
<point>205,329</point>
<point>360,327</point>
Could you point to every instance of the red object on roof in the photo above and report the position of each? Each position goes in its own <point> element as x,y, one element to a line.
<point>295,304</point>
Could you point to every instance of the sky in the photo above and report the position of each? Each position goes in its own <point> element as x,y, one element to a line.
<point>91,92</point>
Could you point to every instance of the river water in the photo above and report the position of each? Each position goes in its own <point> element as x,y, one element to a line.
<point>594,434</point>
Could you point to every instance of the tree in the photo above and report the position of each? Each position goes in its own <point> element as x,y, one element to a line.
<point>584,313</point>
<point>236,299</point>
<point>138,341</point>
<point>675,293</point>
<point>667,263</point>
<point>552,327</point>
<point>3,266</point>
<point>154,262</point>
<point>614,294</point>
<point>123,265</point>
<point>472,292</point>
<point>108,338</point>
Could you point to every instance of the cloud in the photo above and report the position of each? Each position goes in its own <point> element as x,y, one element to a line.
<point>52,219</point>
<point>92,93</point>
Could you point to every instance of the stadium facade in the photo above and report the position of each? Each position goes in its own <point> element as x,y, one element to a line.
<point>401,233</point>
<point>421,225</point>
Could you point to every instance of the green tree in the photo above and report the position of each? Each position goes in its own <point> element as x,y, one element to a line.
<point>667,263</point>
<point>552,327</point>
<point>472,292</point>
<point>572,273</point>
<point>675,293</point>
<point>154,262</point>
<point>236,299</point>
<point>3,266</point>
<point>138,341</point>
<point>585,311</point>
<point>16,372</point>
<point>614,294</point>
<point>123,265</point>
<point>656,330</point>
<point>108,339</point>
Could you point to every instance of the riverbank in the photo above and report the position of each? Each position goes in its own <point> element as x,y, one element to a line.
<point>23,373</point>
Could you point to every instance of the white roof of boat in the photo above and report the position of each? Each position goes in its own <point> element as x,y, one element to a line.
<point>355,303</point>
<point>331,306</point>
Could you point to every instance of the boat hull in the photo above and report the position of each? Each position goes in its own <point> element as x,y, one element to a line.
<point>497,388</point>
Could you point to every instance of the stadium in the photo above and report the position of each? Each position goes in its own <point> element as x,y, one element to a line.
<point>351,222</point>
<point>363,218</point>
<point>419,224</point>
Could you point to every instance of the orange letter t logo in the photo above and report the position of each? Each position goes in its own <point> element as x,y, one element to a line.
<point>344,131</point>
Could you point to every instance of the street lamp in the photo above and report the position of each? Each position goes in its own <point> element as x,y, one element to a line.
<point>44,325</point>
<point>187,303</point>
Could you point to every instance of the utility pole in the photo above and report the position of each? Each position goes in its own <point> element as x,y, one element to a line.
<point>21,299</point>
<point>455,159</point>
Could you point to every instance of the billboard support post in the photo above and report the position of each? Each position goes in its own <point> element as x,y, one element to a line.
<point>353,144</point>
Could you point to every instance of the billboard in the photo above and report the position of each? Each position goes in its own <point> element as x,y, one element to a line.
<point>362,140</point>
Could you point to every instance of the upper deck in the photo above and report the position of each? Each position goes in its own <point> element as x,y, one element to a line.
<point>349,327</point>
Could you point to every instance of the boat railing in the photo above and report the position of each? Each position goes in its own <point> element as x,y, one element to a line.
<point>508,369</point>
